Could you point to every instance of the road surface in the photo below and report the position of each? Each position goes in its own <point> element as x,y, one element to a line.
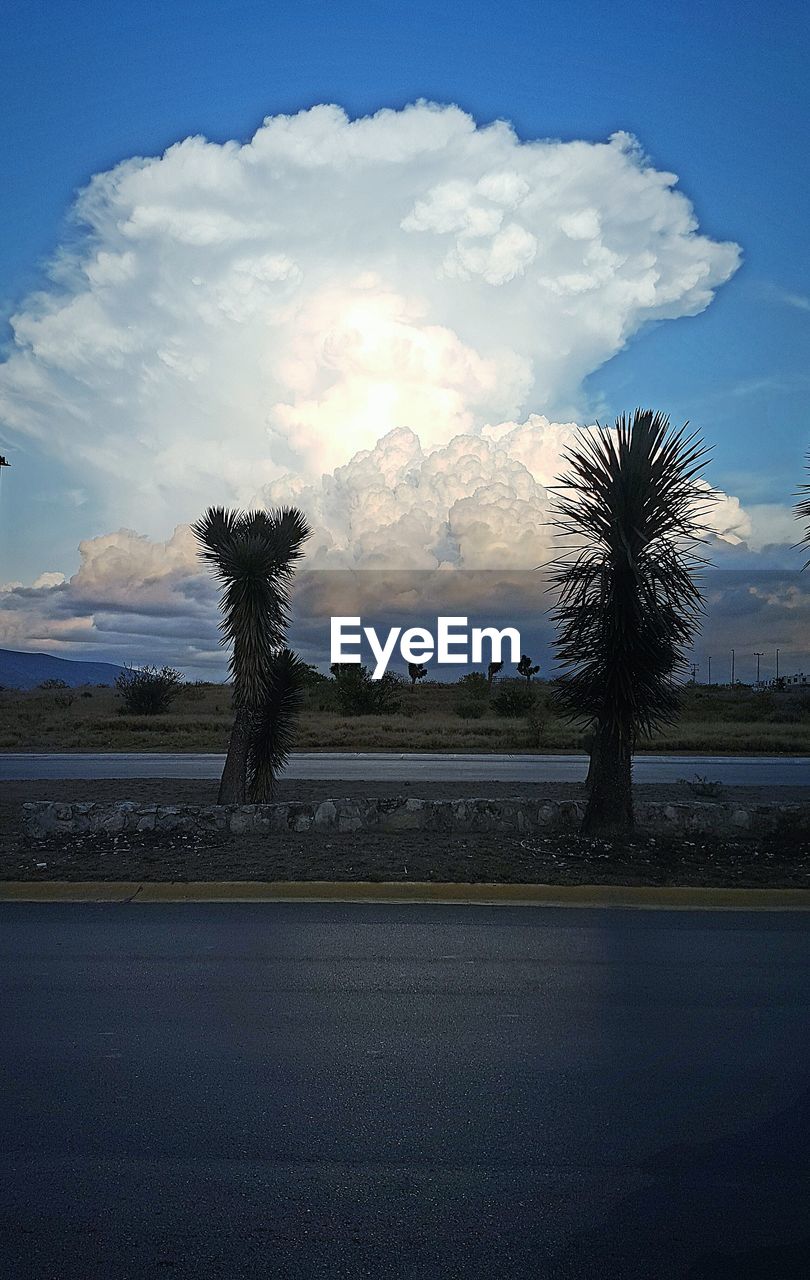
<point>340,1091</point>
<point>414,767</point>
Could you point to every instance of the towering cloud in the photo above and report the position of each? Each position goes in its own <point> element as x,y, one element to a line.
<point>229,313</point>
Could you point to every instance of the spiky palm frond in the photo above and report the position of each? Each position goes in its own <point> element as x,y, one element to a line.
<point>628,603</point>
<point>273,723</point>
<point>254,554</point>
<point>802,512</point>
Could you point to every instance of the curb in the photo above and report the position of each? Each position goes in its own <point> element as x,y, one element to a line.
<point>678,897</point>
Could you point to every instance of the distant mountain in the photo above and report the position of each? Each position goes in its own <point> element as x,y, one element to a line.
<point>27,670</point>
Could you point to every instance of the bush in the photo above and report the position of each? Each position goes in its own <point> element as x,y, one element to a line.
<point>148,691</point>
<point>470,710</point>
<point>311,677</point>
<point>513,701</point>
<point>359,695</point>
<point>474,685</point>
<point>54,683</point>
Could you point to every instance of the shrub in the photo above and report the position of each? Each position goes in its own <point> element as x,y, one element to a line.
<point>474,685</point>
<point>359,695</point>
<point>470,710</point>
<point>513,701</point>
<point>54,683</point>
<point>311,677</point>
<point>147,691</point>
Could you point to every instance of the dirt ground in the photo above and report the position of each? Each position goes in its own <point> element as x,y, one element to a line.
<point>478,857</point>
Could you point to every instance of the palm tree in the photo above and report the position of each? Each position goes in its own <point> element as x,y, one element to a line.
<point>274,723</point>
<point>527,669</point>
<point>628,602</point>
<point>417,672</point>
<point>254,554</point>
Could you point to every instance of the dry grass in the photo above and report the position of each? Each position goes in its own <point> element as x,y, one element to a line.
<point>713,721</point>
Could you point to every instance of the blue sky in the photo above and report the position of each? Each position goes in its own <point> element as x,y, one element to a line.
<point>715,93</point>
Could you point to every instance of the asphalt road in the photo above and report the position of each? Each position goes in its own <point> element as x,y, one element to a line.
<point>338,1091</point>
<point>394,767</point>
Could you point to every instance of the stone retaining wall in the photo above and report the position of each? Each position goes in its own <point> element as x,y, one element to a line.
<point>400,813</point>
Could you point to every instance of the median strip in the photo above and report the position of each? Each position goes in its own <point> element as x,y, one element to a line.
<point>645,897</point>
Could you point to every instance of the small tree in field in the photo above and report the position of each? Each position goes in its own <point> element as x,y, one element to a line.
<point>147,691</point>
<point>492,671</point>
<point>254,554</point>
<point>628,603</point>
<point>416,672</point>
<point>526,668</point>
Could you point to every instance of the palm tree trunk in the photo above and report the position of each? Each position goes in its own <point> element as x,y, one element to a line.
<point>610,803</point>
<point>233,785</point>
<point>591,762</point>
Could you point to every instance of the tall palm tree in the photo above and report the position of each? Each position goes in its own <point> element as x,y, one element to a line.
<point>628,602</point>
<point>254,554</point>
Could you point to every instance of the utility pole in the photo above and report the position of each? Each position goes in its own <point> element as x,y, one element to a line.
<point>777,664</point>
<point>4,462</point>
<point>758,656</point>
<point>709,674</point>
<point>694,669</point>
<point>732,668</point>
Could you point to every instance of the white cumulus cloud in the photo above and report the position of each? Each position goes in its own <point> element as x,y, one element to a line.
<point>229,312</point>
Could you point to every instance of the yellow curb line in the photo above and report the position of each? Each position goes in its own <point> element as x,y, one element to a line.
<point>679,897</point>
